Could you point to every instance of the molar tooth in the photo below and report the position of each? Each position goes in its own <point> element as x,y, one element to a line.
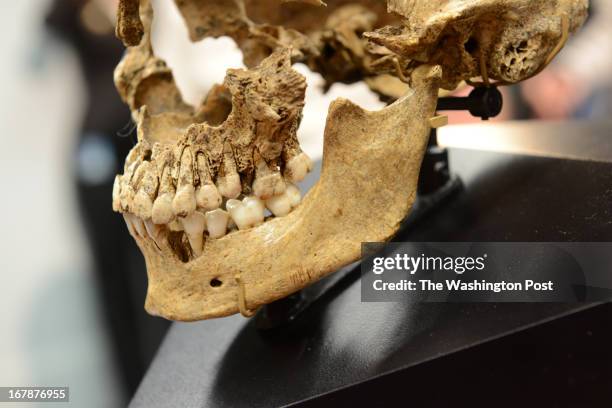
<point>279,205</point>
<point>294,195</point>
<point>297,167</point>
<point>268,181</point>
<point>208,197</point>
<point>216,222</point>
<point>256,209</point>
<point>194,225</point>
<point>241,215</point>
<point>135,224</point>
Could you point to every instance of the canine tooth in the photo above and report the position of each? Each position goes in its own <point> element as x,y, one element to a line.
<point>194,225</point>
<point>184,202</point>
<point>241,215</point>
<point>208,197</point>
<point>256,209</point>
<point>297,167</point>
<point>162,213</point>
<point>279,205</point>
<point>143,205</point>
<point>216,222</point>
<point>294,195</point>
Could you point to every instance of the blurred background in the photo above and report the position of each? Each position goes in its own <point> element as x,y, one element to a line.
<point>73,283</point>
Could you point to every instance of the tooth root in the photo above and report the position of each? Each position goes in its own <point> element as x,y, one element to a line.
<point>256,209</point>
<point>162,212</point>
<point>298,167</point>
<point>241,215</point>
<point>294,195</point>
<point>228,181</point>
<point>194,225</point>
<point>208,197</point>
<point>184,202</point>
<point>268,182</point>
<point>216,223</point>
<point>279,205</point>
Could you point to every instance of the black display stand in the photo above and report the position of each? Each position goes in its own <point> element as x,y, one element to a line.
<point>341,351</point>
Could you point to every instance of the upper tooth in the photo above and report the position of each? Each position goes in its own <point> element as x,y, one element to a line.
<point>279,205</point>
<point>184,202</point>
<point>194,225</point>
<point>297,167</point>
<point>216,222</point>
<point>294,195</point>
<point>162,209</point>
<point>208,197</point>
<point>229,185</point>
<point>240,214</point>
<point>255,208</point>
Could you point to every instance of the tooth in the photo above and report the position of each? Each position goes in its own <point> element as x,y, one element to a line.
<point>117,194</point>
<point>154,231</point>
<point>184,202</point>
<point>128,221</point>
<point>256,209</point>
<point>279,205</point>
<point>241,215</point>
<point>162,212</point>
<point>268,181</point>
<point>228,181</point>
<point>294,195</point>
<point>216,222</point>
<point>194,225</point>
<point>175,225</point>
<point>208,197</point>
<point>297,167</point>
<point>143,200</point>
<point>135,224</point>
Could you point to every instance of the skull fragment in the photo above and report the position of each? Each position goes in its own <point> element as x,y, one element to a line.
<point>209,192</point>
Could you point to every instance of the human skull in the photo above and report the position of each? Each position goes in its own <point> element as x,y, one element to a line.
<point>196,186</point>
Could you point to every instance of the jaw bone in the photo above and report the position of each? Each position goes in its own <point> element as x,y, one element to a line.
<point>194,188</point>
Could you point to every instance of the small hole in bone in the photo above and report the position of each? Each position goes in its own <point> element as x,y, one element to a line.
<point>471,45</point>
<point>196,66</point>
<point>215,283</point>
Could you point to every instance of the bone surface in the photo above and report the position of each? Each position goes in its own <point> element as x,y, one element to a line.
<point>195,188</point>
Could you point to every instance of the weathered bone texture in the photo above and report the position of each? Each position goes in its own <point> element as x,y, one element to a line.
<point>196,186</point>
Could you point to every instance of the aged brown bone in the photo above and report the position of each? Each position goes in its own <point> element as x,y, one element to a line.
<point>194,187</point>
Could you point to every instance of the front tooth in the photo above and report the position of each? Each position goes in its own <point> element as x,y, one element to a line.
<point>161,212</point>
<point>154,231</point>
<point>297,167</point>
<point>184,202</point>
<point>208,197</point>
<point>279,205</point>
<point>216,223</point>
<point>256,209</point>
<point>241,215</point>
<point>135,224</point>
<point>194,225</point>
<point>128,221</point>
<point>116,194</point>
<point>294,195</point>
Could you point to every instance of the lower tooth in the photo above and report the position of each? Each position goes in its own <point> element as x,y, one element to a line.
<point>240,214</point>
<point>194,225</point>
<point>279,205</point>
<point>154,231</point>
<point>294,195</point>
<point>216,223</point>
<point>137,224</point>
<point>128,222</point>
<point>256,209</point>
<point>175,226</point>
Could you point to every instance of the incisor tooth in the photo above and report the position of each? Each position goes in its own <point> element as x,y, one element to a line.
<point>239,213</point>
<point>116,194</point>
<point>294,195</point>
<point>256,209</point>
<point>128,221</point>
<point>208,197</point>
<point>154,231</point>
<point>143,205</point>
<point>297,167</point>
<point>137,225</point>
<point>216,222</point>
<point>279,205</point>
<point>194,225</point>
<point>161,212</point>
